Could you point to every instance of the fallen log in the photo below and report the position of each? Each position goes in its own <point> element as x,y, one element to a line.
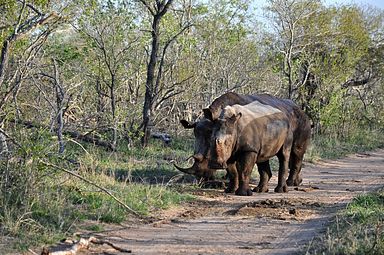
<point>89,139</point>
<point>82,244</point>
<point>164,137</point>
<point>86,137</point>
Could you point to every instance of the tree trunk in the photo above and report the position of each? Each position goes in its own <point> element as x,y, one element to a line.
<point>149,93</point>
<point>3,145</point>
<point>113,109</point>
<point>60,94</point>
<point>157,11</point>
<point>60,126</point>
<point>4,61</point>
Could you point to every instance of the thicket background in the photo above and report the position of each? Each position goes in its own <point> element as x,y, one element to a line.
<point>84,83</point>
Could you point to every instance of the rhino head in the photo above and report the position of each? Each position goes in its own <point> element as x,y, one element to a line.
<point>202,130</point>
<point>223,138</point>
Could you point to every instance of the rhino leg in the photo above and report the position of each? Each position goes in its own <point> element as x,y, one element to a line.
<point>233,178</point>
<point>283,156</point>
<point>295,163</point>
<point>265,174</point>
<point>299,147</point>
<point>244,168</point>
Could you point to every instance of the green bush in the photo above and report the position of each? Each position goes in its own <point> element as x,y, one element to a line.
<point>357,230</point>
<point>326,147</point>
<point>41,204</point>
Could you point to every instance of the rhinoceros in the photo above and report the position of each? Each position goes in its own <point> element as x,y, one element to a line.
<point>251,134</point>
<point>203,130</point>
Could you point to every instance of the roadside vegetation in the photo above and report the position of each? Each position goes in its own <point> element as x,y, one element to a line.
<point>356,230</point>
<point>85,84</point>
<point>41,203</point>
<point>324,147</point>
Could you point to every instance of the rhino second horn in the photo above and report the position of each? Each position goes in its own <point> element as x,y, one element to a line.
<point>189,170</point>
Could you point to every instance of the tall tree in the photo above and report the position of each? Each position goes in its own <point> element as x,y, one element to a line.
<point>155,67</point>
<point>109,29</point>
<point>20,21</point>
<point>221,53</point>
<point>157,9</point>
<point>287,17</point>
<point>319,48</point>
<point>26,18</point>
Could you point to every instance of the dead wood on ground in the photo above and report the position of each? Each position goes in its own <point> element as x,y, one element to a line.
<point>82,244</point>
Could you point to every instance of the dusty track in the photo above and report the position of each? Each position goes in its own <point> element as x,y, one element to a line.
<point>267,223</point>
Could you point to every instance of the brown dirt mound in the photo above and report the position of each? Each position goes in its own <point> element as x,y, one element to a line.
<point>281,209</point>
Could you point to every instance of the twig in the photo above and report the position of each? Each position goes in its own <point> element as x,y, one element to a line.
<point>101,242</point>
<point>31,251</point>
<point>94,184</point>
<point>12,140</point>
<point>79,144</point>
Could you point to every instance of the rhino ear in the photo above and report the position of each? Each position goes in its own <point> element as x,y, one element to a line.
<point>208,114</point>
<point>235,117</point>
<point>187,124</point>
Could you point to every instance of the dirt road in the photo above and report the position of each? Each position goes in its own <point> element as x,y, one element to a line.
<point>267,223</point>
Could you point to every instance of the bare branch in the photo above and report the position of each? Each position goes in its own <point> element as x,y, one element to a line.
<point>147,6</point>
<point>31,7</point>
<point>173,38</point>
<point>356,82</point>
<point>17,26</point>
<point>19,32</point>
<point>165,7</point>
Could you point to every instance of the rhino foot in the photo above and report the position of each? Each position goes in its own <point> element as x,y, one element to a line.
<point>241,192</point>
<point>260,189</point>
<point>281,189</point>
<point>229,190</point>
<point>295,182</point>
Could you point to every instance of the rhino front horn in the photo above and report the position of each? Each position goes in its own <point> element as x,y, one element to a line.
<point>189,170</point>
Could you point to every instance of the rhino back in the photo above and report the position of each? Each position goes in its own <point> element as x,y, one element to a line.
<point>262,129</point>
<point>232,98</point>
<point>253,111</point>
